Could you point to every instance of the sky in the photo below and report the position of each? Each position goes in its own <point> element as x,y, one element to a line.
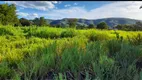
<point>77,9</point>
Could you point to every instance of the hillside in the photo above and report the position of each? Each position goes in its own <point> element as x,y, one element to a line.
<point>110,21</point>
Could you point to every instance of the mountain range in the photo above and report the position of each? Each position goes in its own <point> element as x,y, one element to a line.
<point>110,21</point>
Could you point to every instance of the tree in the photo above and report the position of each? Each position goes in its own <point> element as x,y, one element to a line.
<point>72,22</point>
<point>140,7</point>
<point>8,14</point>
<point>80,27</point>
<point>138,23</point>
<point>59,25</point>
<point>119,26</point>
<point>36,21</point>
<point>102,25</point>
<point>91,26</point>
<point>130,27</point>
<point>42,22</point>
<point>25,22</point>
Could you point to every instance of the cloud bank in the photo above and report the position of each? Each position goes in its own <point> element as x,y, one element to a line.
<point>126,9</point>
<point>27,15</point>
<point>115,9</point>
<point>40,5</point>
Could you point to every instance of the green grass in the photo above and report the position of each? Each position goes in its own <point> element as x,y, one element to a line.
<point>39,53</point>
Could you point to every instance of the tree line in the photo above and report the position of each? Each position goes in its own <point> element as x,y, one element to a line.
<point>37,21</point>
<point>130,27</point>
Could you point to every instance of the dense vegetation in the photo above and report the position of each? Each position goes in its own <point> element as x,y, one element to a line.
<point>134,27</point>
<point>39,53</point>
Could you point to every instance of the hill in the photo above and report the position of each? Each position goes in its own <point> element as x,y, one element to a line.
<point>110,21</point>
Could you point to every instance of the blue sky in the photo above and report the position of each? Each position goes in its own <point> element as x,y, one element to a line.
<point>77,9</point>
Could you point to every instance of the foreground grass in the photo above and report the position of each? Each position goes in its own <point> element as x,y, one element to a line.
<point>40,53</point>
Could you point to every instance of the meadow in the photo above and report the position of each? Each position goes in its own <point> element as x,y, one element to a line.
<point>47,53</point>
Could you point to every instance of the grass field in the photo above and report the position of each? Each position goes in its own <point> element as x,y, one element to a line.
<point>45,53</point>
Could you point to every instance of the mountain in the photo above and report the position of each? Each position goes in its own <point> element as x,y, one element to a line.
<point>110,21</point>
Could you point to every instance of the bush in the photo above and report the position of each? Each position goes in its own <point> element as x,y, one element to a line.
<point>5,71</point>
<point>42,33</point>
<point>113,47</point>
<point>9,30</point>
<point>98,37</point>
<point>4,31</point>
<point>68,33</point>
<point>102,25</point>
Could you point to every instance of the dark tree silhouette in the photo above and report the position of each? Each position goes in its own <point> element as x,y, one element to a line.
<point>140,7</point>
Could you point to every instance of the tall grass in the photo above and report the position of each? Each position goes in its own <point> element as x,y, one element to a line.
<point>40,53</point>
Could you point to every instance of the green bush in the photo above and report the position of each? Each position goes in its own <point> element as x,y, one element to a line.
<point>68,33</point>
<point>98,37</point>
<point>9,30</point>
<point>4,31</point>
<point>42,33</point>
<point>113,47</point>
<point>5,71</point>
<point>101,36</point>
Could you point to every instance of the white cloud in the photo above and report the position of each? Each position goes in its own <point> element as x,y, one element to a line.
<point>71,12</point>
<point>27,15</point>
<point>17,10</point>
<point>54,2</point>
<point>67,5</point>
<point>21,8</point>
<point>34,15</point>
<point>22,14</point>
<point>116,9</point>
<point>41,5</point>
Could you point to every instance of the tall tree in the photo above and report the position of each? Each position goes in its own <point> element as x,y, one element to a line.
<point>42,22</point>
<point>36,21</point>
<point>140,7</point>
<point>102,25</point>
<point>8,14</point>
<point>72,22</point>
<point>139,24</point>
<point>91,25</point>
<point>25,22</point>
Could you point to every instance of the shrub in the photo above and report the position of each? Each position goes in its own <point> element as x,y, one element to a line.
<point>113,47</point>
<point>68,33</point>
<point>5,71</point>
<point>98,37</point>
<point>4,31</point>
<point>101,36</point>
<point>9,30</point>
<point>43,33</point>
<point>102,25</point>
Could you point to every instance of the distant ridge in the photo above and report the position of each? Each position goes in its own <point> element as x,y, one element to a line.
<point>110,21</point>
